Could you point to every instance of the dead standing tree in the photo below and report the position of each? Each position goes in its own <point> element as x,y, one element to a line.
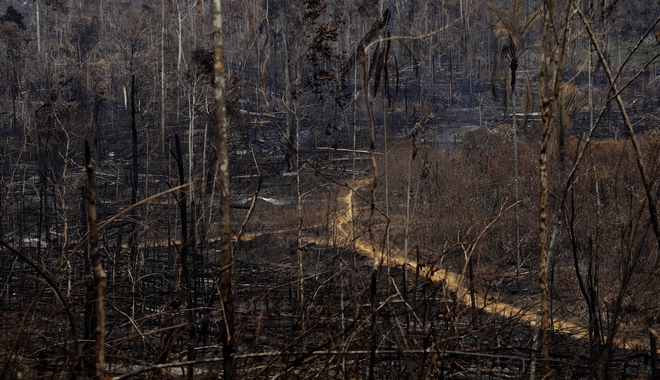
<point>100,277</point>
<point>554,46</point>
<point>512,29</point>
<point>224,279</point>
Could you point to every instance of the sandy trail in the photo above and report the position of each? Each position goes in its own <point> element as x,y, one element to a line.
<point>455,281</point>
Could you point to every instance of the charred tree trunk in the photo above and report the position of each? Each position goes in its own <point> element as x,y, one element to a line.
<point>134,167</point>
<point>653,335</point>
<point>226,254</point>
<point>100,277</point>
<point>183,255</point>
<point>288,99</point>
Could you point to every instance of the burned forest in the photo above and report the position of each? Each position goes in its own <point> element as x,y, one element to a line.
<point>316,189</point>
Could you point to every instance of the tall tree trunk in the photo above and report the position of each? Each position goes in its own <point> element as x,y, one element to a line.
<point>653,335</point>
<point>179,33</point>
<point>545,90</point>
<point>226,257</point>
<point>162,78</point>
<point>288,96</point>
<point>100,277</point>
<point>516,180</point>
<point>38,30</point>
<point>183,254</point>
<point>134,167</point>
<point>301,268</point>
<point>553,47</point>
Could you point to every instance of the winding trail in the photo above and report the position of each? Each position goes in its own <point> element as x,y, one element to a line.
<point>455,281</point>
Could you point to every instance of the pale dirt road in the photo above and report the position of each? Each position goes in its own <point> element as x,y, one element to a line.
<point>455,281</point>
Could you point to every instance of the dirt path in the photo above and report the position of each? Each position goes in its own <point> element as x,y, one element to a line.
<point>455,281</point>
